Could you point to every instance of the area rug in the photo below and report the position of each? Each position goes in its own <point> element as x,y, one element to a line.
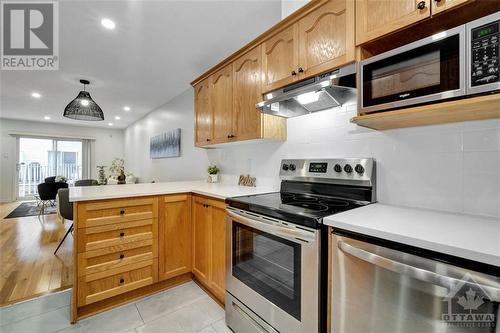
<point>30,208</point>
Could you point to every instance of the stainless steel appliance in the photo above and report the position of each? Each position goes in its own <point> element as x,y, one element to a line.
<point>387,287</point>
<point>275,244</point>
<point>458,62</point>
<point>319,93</point>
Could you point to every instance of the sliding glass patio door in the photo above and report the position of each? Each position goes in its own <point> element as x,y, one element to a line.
<point>40,158</point>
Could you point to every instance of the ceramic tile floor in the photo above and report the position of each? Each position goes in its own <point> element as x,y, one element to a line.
<point>183,309</point>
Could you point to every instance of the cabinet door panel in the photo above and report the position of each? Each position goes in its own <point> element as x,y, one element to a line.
<point>247,91</point>
<point>375,18</point>
<point>201,240</point>
<point>221,87</point>
<point>280,58</point>
<point>326,37</point>
<point>218,270</point>
<point>174,236</point>
<point>203,111</point>
<point>442,5</point>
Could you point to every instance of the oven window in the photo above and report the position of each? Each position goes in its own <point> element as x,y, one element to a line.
<point>269,265</point>
<point>426,70</point>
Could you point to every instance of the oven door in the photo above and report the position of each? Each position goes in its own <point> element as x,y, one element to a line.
<point>427,70</point>
<point>272,268</point>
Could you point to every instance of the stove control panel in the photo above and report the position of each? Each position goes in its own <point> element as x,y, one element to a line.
<point>344,171</point>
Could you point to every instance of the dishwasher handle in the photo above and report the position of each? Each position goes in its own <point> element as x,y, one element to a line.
<point>412,271</point>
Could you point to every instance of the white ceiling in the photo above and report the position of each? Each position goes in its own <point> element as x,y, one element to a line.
<point>157,48</point>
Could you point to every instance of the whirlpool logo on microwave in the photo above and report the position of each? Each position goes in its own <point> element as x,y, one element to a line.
<point>30,35</point>
<point>404,95</point>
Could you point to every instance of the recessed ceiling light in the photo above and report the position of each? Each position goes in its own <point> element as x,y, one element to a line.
<point>126,108</point>
<point>117,117</point>
<point>110,124</point>
<point>36,95</point>
<point>108,24</point>
<point>46,118</point>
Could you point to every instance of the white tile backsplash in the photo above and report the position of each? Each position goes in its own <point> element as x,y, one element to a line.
<point>452,167</point>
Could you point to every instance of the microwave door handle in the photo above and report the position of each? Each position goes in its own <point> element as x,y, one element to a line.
<point>411,271</point>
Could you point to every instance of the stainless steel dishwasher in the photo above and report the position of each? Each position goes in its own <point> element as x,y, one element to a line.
<point>382,287</point>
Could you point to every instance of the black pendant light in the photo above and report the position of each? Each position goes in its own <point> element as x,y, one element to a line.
<point>83,107</point>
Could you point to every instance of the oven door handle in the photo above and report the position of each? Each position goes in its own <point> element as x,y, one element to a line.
<point>291,233</point>
<point>412,271</point>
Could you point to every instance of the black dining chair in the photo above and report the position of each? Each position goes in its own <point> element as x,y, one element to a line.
<point>66,207</point>
<point>47,194</point>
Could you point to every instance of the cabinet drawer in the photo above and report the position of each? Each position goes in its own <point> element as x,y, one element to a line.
<point>104,259</point>
<point>109,235</point>
<point>96,287</point>
<point>92,214</point>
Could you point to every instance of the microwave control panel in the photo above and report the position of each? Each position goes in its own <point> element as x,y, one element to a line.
<point>485,44</point>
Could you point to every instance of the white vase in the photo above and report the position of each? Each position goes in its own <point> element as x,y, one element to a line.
<point>213,178</point>
<point>131,180</point>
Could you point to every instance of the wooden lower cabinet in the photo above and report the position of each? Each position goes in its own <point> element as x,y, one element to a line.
<point>209,233</point>
<point>125,249</point>
<point>174,230</point>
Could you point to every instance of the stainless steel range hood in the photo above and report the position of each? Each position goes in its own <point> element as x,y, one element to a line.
<point>319,93</point>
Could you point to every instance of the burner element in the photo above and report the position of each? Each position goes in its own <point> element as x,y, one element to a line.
<point>334,203</point>
<point>310,206</point>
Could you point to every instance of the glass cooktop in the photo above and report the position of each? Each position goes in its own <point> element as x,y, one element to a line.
<point>298,208</point>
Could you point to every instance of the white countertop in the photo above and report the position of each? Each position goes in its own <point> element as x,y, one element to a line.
<point>465,236</point>
<point>215,190</point>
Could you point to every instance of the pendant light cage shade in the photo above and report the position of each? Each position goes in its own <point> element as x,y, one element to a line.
<point>83,107</point>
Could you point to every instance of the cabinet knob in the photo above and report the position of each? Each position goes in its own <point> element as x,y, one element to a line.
<point>421,5</point>
<point>208,140</point>
<point>301,70</point>
<point>294,73</point>
<point>122,280</point>
<point>122,234</point>
<point>230,136</point>
<point>122,256</point>
<point>122,211</point>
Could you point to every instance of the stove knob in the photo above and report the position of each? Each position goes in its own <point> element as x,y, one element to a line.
<point>292,167</point>
<point>348,168</point>
<point>285,167</point>
<point>359,169</point>
<point>337,168</point>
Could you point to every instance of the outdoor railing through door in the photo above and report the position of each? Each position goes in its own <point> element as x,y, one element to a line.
<point>32,174</point>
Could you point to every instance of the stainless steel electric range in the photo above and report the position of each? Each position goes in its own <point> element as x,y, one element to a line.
<point>276,248</point>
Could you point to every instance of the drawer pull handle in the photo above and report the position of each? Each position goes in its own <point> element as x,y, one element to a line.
<point>122,280</point>
<point>122,234</point>
<point>122,212</point>
<point>122,256</point>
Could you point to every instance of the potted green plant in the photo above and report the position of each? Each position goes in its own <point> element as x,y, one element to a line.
<point>213,173</point>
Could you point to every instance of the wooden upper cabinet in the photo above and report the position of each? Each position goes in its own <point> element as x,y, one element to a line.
<point>439,6</point>
<point>280,58</point>
<point>174,231</point>
<point>247,88</point>
<point>221,102</point>
<point>326,37</point>
<point>375,18</point>
<point>203,113</point>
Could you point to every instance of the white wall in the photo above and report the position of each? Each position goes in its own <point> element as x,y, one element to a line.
<point>178,113</point>
<point>452,167</point>
<point>108,145</point>
<point>289,6</point>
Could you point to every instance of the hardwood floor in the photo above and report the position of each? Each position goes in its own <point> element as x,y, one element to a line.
<point>28,266</point>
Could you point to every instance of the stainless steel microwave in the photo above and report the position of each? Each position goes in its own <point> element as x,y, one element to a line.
<point>455,63</point>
